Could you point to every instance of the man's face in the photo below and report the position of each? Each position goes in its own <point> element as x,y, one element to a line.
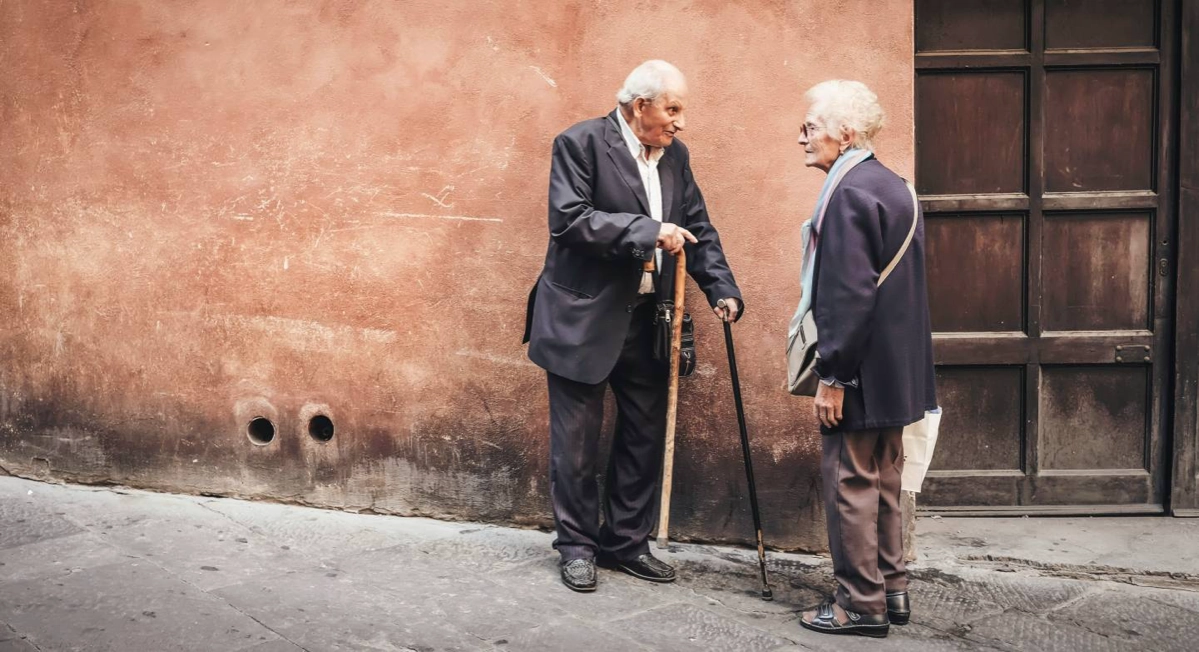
<point>657,122</point>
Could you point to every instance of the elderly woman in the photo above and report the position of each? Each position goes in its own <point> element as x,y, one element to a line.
<point>864,281</point>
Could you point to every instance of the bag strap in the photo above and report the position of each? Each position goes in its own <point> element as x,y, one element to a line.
<point>911,233</point>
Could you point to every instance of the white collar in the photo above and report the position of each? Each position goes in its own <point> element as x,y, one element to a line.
<point>630,139</point>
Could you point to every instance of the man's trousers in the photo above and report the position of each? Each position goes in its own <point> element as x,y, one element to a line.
<point>639,384</point>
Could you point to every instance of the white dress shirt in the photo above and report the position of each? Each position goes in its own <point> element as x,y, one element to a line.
<point>647,164</point>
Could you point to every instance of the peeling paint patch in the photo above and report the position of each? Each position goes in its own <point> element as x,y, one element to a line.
<point>300,333</point>
<point>304,330</point>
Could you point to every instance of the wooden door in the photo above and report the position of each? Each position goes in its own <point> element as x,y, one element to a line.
<point>1043,140</point>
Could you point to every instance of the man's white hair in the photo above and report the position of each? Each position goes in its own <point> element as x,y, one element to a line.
<point>650,80</point>
<point>847,105</point>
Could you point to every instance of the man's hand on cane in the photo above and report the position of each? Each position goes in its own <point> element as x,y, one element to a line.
<point>672,237</point>
<point>726,309</point>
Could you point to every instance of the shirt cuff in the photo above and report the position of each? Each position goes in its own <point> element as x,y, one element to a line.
<point>833,382</point>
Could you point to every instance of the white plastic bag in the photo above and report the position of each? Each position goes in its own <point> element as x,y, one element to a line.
<point>919,441</point>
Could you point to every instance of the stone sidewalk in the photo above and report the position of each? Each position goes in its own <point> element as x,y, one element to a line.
<point>1129,546</point>
<point>102,569</point>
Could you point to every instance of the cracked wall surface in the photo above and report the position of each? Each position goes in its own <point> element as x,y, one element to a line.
<point>212,213</point>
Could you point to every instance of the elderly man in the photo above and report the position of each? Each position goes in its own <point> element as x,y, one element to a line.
<point>622,202</point>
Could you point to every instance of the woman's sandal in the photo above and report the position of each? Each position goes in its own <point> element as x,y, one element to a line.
<point>874,626</point>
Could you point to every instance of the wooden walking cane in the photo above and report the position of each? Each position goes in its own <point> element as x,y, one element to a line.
<point>672,397</point>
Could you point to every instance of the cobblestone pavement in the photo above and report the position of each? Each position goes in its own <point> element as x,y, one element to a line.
<point>102,569</point>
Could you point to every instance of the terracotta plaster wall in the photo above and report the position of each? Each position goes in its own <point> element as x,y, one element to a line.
<point>213,211</point>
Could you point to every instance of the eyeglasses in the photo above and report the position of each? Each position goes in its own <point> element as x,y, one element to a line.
<point>809,129</point>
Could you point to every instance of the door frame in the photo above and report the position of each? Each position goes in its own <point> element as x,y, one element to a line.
<point>1184,489</point>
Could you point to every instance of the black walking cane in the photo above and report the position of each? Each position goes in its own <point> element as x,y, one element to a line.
<point>767,594</point>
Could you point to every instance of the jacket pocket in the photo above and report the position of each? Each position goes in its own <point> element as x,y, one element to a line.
<point>578,293</point>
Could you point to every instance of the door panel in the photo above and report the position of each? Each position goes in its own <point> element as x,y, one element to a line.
<point>977,133</point>
<point>978,261</point>
<point>970,24</point>
<point>1100,130</point>
<point>1096,271</point>
<point>1093,417</point>
<point>990,406</point>
<point>1077,24</point>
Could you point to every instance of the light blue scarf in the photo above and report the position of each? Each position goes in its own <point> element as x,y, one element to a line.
<point>810,231</point>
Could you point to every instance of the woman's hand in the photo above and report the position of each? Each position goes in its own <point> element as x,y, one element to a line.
<point>828,404</point>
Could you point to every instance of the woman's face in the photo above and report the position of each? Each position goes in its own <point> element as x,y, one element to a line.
<point>820,148</point>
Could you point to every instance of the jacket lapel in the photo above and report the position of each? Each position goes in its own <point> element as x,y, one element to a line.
<point>619,152</point>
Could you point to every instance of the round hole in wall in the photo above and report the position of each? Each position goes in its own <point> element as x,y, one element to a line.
<point>261,430</point>
<point>320,427</point>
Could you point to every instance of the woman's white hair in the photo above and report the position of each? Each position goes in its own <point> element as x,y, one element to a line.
<point>650,80</point>
<point>847,105</point>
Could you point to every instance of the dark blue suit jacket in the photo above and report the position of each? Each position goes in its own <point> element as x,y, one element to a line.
<point>600,235</point>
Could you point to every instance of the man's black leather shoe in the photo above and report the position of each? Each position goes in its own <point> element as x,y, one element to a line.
<point>899,608</point>
<point>578,574</point>
<point>646,567</point>
<point>874,626</point>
